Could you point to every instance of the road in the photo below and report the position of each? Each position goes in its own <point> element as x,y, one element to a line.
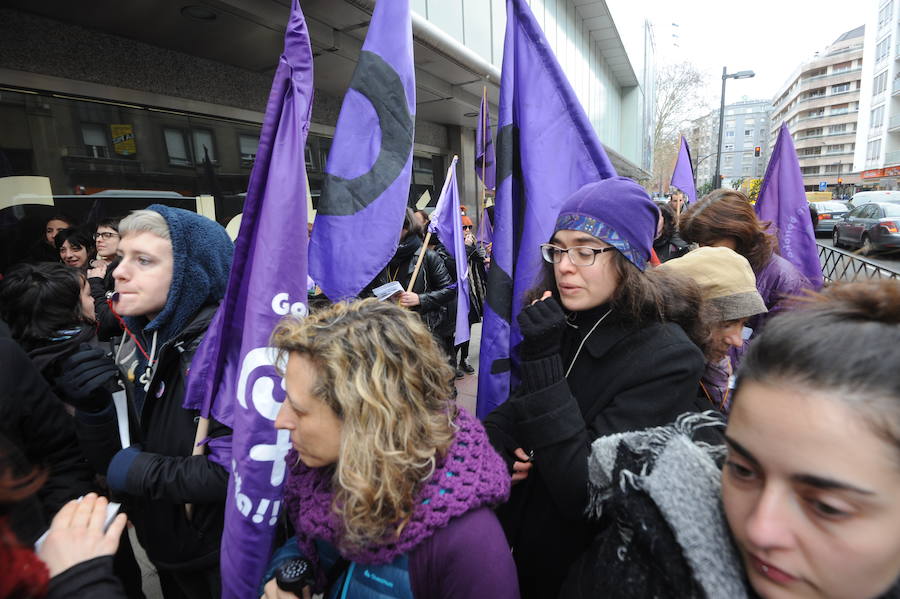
<point>891,260</point>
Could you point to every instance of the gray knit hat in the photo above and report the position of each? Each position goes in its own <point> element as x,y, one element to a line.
<point>725,278</point>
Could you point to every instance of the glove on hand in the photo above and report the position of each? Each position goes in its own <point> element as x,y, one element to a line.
<point>542,325</point>
<point>88,378</point>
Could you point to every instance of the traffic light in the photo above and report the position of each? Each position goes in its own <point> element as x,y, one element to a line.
<point>756,151</point>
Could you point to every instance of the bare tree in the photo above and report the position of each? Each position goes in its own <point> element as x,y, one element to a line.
<point>679,97</point>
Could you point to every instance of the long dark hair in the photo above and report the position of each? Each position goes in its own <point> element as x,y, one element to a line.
<point>727,214</point>
<point>37,300</point>
<point>863,320</point>
<point>645,297</point>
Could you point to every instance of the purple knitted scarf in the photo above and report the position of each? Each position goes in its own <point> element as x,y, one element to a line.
<point>471,475</point>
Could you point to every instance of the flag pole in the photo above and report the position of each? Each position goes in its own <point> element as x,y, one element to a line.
<point>202,433</point>
<point>412,280</point>
<point>483,125</point>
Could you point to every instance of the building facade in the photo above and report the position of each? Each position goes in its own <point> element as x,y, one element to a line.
<point>821,105</point>
<point>877,155</point>
<point>136,95</point>
<point>745,143</point>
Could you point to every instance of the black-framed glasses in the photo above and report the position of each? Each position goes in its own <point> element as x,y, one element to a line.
<point>105,235</point>
<point>467,227</point>
<point>580,255</point>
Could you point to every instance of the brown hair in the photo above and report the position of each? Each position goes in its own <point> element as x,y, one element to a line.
<point>727,214</point>
<point>863,320</point>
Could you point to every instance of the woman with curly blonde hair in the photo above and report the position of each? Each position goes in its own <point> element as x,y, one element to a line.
<point>391,485</point>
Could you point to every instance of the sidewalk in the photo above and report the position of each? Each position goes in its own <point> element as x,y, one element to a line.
<point>467,387</point>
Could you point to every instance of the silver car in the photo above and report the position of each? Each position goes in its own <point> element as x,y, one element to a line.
<point>829,213</point>
<point>870,227</point>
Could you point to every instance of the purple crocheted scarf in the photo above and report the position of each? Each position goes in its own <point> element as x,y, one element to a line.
<point>471,475</point>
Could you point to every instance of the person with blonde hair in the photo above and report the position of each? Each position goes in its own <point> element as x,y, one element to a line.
<point>391,485</point>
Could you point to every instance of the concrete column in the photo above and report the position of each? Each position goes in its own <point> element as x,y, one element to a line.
<point>462,143</point>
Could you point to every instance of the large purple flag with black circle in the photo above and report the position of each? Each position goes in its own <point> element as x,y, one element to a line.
<point>546,150</point>
<point>366,186</point>
<point>232,376</point>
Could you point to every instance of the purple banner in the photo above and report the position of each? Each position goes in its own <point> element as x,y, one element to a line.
<point>485,229</point>
<point>366,186</point>
<point>446,221</point>
<point>233,377</point>
<point>683,177</point>
<point>546,150</point>
<point>782,200</point>
<point>485,161</point>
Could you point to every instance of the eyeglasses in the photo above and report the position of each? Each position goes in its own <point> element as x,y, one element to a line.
<point>105,235</point>
<point>467,227</point>
<point>580,255</point>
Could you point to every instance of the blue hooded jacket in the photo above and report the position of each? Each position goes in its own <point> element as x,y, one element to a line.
<point>202,253</point>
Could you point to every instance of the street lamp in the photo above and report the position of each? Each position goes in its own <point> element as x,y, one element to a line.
<point>725,76</point>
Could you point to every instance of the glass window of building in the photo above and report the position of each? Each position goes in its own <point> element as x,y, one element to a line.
<point>873,150</point>
<point>880,83</point>
<point>95,141</point>
<point>177,147</point>
<point>839,89</point>
<point>837,128</point>
<point>203,142</point>
<point>835,148</point>
<point>249,145</point>
<point>882,49</point>
<point>876,118</point>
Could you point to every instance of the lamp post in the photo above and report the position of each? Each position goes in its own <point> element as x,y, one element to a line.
<point>725,76</point>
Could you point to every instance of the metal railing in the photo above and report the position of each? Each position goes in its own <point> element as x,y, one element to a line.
<point>845,267</point>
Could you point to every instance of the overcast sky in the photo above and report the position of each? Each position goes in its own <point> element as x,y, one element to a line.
<point>769,37</point>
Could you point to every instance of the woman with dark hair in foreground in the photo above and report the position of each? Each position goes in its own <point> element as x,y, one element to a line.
<point>808,503</point>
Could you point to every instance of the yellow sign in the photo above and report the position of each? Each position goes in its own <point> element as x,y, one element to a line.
<point>123,139</point>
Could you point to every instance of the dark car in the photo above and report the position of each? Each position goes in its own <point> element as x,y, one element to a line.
<point>829,213</point>
<point>870,227</point>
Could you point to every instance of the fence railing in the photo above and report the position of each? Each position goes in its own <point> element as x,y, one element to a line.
<point>845,267</point>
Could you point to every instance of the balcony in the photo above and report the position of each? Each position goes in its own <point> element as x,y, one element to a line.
<point>894,124</point>
<point>96,159</point>
<point>891,158</point>
<point>894,90</point>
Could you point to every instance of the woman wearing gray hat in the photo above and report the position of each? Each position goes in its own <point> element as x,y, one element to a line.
<point>601,354</point>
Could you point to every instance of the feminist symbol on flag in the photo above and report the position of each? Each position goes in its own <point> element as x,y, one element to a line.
<point>379,83</point>
<point>267,406</point>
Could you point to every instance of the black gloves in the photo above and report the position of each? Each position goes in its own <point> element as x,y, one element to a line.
<point>88,379</point>
<point>542,325</point>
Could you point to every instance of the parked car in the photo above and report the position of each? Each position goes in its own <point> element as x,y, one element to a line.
<point>829,213</point>
<point>870,227</point>
<point>861,198</point>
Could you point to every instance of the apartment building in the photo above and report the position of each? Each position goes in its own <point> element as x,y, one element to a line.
<point>820,103</point>
<point>877,155</point>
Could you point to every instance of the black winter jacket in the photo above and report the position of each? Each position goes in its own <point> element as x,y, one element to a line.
<point>107,324</point>
<point>432,285</point>
<point>162,476</point>
<point>93,579</point>
<point>626,378</point>
<point>36,423</point>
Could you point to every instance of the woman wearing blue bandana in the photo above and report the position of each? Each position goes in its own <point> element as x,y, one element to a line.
<point>603,352</point>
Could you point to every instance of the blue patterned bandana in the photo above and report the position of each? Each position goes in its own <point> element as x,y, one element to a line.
<point>603,232</point>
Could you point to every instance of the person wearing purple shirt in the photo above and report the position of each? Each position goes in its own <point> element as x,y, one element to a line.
<point>725,218</point>
<point>391,486</point>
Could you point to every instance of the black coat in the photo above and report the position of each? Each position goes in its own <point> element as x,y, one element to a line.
<point>164,476</point>
<point>92,579</point>
<point>625,378</point>
<point>432,285</point>
<point>107,324</point>
<point>35,422</point>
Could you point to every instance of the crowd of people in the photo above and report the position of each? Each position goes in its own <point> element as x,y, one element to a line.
<point>692,419</point>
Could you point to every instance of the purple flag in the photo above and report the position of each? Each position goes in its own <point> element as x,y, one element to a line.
<point>546,151</point>
<point>683,177</point>
<point>485,229</point>
<point>233,377</point>
<point>485,163</point>
<point>446,221</point>
<point>782,200</point>
<point>366,186</point>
